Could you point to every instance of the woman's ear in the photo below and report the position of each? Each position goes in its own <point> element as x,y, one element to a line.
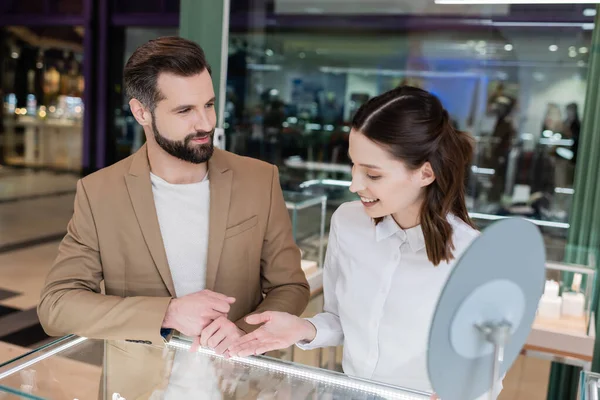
<point>427,176</point>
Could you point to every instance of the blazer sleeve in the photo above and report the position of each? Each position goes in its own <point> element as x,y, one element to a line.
<point>71,300</point>
<point>284,284</point>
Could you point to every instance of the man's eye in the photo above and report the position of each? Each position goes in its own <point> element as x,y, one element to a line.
<point>184,111</point>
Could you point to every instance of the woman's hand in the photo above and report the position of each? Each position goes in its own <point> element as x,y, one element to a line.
<point>280,330</point>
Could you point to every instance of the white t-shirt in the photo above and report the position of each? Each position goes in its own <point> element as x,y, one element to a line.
<point>183,215</point>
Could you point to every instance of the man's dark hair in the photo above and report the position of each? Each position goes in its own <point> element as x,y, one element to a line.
<point>169,54</point>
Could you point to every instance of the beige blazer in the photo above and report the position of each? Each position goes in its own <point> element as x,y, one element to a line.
<point>114,236</point>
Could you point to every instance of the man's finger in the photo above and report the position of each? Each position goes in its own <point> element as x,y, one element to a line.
<point>224,345</point>
<point>220,296</point>
<point>256,319</point>
<point>213,314</point>
<point>216,339</point>
<point>209,331</point>
<point>195,344</point>
<point>219,305</point>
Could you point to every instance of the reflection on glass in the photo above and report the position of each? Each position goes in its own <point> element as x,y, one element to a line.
<point>42,93</point>
<point>81,368</point>
<point>589,386</point>
<point>297,76</point>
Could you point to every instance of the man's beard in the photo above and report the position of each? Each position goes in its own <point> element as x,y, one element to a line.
<point>184,149</point>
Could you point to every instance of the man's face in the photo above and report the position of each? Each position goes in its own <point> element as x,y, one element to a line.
<point>183,122</point>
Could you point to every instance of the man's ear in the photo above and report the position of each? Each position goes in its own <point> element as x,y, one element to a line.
<point>140,113</point>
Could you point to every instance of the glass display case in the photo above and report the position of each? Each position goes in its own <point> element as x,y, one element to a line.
<point>564,328</point>
<point>589,386</point>
<point>79,368</point>
<point>333,180</point>
<point>297,202</point>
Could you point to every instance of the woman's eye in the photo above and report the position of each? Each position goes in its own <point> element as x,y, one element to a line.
<point>373,177</point>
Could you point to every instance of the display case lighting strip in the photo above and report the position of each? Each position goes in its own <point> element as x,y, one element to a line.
<point>327,182</point>
<point>44,356</point>
<point>487,2</point>
<point>326,377</point>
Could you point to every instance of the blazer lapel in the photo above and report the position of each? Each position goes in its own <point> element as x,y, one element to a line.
<point>220,182</point>
<point>139,187</point>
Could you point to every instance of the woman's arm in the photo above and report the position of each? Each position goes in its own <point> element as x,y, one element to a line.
<point>328,326</point>
<point>281,330</point>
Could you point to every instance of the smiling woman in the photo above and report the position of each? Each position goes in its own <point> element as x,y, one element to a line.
<point>410,163</point>
<point>388,256</point>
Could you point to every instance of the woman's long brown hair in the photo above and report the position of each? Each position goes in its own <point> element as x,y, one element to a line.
<point>415,128</point>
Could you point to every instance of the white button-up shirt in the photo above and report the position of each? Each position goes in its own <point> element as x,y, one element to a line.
<point>380,294</point>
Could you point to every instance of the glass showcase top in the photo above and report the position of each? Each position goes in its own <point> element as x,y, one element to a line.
<point>589,386</point>
<point>79,368</point>
<point>300,200</point>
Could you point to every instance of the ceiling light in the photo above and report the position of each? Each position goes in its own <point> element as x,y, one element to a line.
<point>269,52</point>
<point>508,47</point>
<point>572,54</point>
<point>583,50</point>
<point>589,12</point>
<point>486,2</point>
<point>553,47</point>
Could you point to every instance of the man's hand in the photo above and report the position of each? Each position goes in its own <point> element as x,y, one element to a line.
<point>219,335</point>
<point>192,313</point>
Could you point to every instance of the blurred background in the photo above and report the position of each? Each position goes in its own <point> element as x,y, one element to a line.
<point>514,76</point>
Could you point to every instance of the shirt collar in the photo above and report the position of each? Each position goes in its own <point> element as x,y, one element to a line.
<point>388,228</point>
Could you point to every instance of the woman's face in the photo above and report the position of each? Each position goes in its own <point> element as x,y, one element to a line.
<point>385,185</point>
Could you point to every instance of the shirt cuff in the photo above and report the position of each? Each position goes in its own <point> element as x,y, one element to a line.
<point>166,334</point>
<point>314,344</point>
